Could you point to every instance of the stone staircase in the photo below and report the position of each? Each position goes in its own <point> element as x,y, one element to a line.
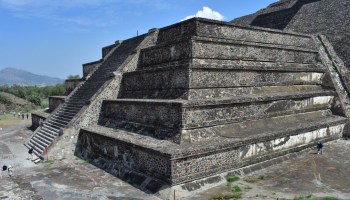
<point>212,97</point>
<point>65,114</point>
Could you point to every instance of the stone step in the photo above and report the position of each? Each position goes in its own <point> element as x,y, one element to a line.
<point>37,148</point>
<point>71,104</point>
<point>210,48</point>
<point>71,107</point>
<point>185,159</point>
<point>213,93</point>
<point>49,132</point>
<point>45,134</point>
<point>58,124</point>
<point>75,102</point>
<point>42,140</point>
<point>53,129</point>
<point>54,125</point>
<point>172,115</point>
<point>245,65</point>
<point>64,123</point>
<point>85,91</point>
<point>67,112</point>
<point>226,30</point>
<point>172,79</point>
<point>62,118</point>
<point>278,125</point>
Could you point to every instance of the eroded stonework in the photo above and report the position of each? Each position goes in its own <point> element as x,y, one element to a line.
<point>200,98</point>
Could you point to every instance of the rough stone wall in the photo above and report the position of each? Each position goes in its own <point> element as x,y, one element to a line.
<point>55,101</point>
<point>107,49</point>
<point>339,79</point>
<point>176,115</point>
<point>122,158</point>
<point>38,117</point>
<point>215,29</point>
<point>71,84</point>
<point>125,157</point>
<point>89,67</point>
<point>328,17</point>
<point>91,115</point>
<point>219,49</point>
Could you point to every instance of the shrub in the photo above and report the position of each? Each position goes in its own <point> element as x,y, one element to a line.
<point>4,99</point>
<point>232,179</point>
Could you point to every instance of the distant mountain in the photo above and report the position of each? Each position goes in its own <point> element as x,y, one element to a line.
<point>12,76</point>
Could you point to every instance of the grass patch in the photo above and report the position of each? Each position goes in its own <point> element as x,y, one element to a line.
<point>237,189</point>
<point>232,192</point>
<point>310,197</point>
<point>49,161</point>
<point>262,177</point>
<point>329,198</point>
<point>303,198</point>
<point>8,120</point>
<point>129,181</point>
<point>227,196</point>
<point>250,179</point>
<point>232,179</point>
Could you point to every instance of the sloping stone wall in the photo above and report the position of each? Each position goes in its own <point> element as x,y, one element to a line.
<point>71,84</point>
<point>328,17</point>
<point>55,101</point>
<point>110,89</point>
<point>37,118</point>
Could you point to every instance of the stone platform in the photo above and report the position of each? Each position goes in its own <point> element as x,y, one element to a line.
<point>211,97</point>
<point>154,165</point>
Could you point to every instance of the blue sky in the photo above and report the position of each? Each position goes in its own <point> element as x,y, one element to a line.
<point>55,37</point>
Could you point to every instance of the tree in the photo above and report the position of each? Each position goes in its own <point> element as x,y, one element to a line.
<point>70,77</point>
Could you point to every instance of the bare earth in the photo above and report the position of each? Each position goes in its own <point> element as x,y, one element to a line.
<point>72,178</point>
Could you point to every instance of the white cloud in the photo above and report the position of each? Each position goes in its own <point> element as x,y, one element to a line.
<point>207,13</point>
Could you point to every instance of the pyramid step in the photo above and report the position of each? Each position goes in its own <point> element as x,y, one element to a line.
<point>230,31</point>
<point>62,118</point>
<point>58,122</point>
<point>41,134</point>
<point>38,148</point>
<point>55,126</point>
<point>279,125</point>
<point>139,114</point>
<point>154,80</point>
<point>73,102</point>
<point>42,140</point>
<point>246,65</point>
<point>225,50</point>
<point>69,114</point>
<point>50,135</point>
<point>51,128</point>
<point>71,107</point>
<point>30,144</point>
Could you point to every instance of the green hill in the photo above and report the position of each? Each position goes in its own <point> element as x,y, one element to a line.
<point>11,103</point>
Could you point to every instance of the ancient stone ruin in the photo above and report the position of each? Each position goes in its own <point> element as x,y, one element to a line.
<point>186,105</point>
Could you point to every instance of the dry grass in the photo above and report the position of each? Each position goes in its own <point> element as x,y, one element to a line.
<point>8,120</point>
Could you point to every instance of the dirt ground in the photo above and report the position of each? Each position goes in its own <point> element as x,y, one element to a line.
<point>72,178</point>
